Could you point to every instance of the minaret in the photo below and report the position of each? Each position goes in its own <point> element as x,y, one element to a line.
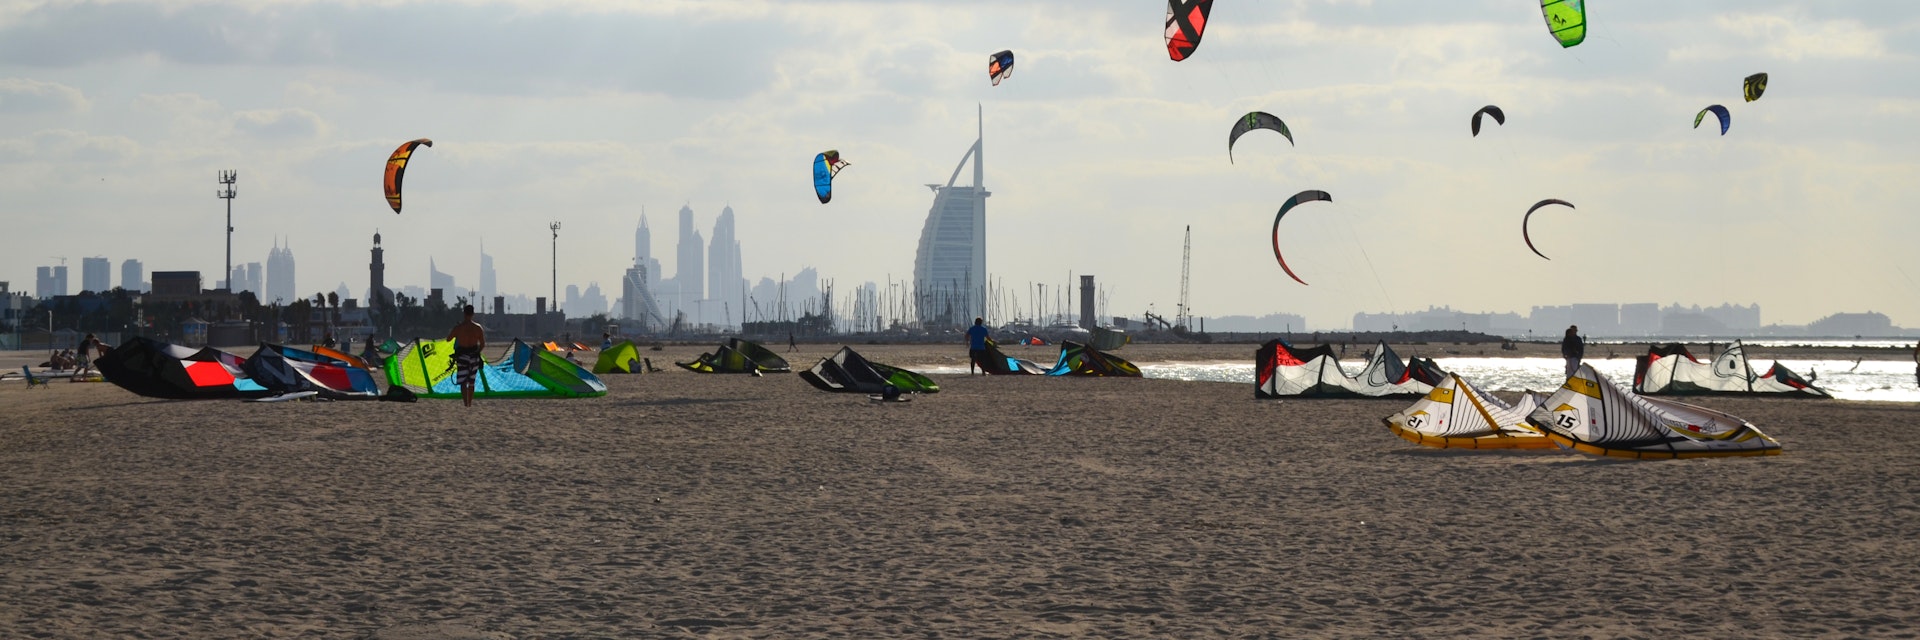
<point>377,287</point>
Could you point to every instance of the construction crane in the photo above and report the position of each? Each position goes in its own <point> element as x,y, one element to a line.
<point>1183,316</point>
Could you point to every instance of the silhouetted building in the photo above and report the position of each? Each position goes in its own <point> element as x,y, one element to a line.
<point>950,266</point>
<point>377,292</point>
<point>726,285</point>
<point>96,274</point>
<point>281,285</point>
<point>50,281</point>
<point>133,275</point>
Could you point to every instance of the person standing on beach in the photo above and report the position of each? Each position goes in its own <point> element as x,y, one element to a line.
<point>1916,363</point>
<point>977,346</point>
<point>1573,348</point>
<point>792,345</point>
<point>83,362</point>
<point>469,338</point>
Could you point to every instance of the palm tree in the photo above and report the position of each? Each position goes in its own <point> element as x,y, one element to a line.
<point>333,302</point>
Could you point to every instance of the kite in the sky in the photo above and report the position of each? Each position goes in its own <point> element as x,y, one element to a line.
<point>1252,121</point>
<point>1186,21</point>
<point>1296,200</point>
<point>1755,85</point>
<point>1528,236</point>
<point>1489,110</point>
<point>826,165</point>
<point>1726,119</point>
<point>1000,67</point>
<point>1567,19</point>
<point>397,169</point>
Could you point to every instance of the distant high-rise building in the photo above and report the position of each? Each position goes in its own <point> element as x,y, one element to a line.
<point>245,277</point>
<point>690,258</point>
<point>725,283</point>
<point>281,286</point>
<point>437,280</point>
<point>50,281</point>
<point>688,286</point>
<point>1639,319</point>
<point>571,303</point>
<point>96,274</point>
<point>643,252</point>
<point>586,303</point>
<point>133,275</point>
<point>1597,319</point>
<point>637,302</point>
<point>950,267</point>
<point>488,286</point>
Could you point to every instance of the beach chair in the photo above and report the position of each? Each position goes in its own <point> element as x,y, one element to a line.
<point>32,379</point>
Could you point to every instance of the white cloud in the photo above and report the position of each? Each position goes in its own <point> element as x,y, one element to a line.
<point>65,146</point>
<point>23,95</point>
<point>279,123</point>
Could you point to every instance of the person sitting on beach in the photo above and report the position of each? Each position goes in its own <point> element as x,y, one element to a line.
<point>469,338</point>
<point>1573,348</point>
<point>977,346</point>
<point>606,341</point>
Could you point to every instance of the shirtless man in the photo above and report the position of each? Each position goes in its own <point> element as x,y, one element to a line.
<point>468,339</point>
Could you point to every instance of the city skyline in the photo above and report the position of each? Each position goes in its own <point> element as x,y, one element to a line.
<point>1102,141</point>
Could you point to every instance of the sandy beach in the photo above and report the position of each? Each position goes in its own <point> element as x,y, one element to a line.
<point>683,505</point>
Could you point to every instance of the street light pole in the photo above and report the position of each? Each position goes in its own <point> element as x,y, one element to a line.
<point>555,227</point>
<point>227,193</point>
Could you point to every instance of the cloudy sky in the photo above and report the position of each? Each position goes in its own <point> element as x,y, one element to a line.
<point>116,116</point>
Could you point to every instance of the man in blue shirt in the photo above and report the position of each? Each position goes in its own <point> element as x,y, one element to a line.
<point>977,346</point>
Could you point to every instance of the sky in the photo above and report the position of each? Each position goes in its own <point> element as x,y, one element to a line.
<point>116,117</point>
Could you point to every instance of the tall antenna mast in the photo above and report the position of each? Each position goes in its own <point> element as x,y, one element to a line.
<point>227,193</point>
<point>1184,316</point>
<point>555,227</point>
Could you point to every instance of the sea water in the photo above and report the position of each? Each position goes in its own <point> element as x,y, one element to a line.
<point>1870,380</point>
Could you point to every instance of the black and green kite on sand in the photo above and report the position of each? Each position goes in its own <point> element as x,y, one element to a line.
<point>846,371</point>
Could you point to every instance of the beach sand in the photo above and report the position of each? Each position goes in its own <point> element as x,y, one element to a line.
<point>683,505</point>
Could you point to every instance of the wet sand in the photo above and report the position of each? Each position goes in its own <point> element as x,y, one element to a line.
<point>734,506</point>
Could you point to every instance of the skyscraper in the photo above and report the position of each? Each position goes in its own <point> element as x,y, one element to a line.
<point>689,274</point>
<point>281,286</point>
<point>643,253</point>
<point>725,282</point>
<point>950,267</point>
<point>50,281</point>
<point>441,281</point>
<point>133,275</point>
<point>245,277</point>
<point>636,299</point>
<point>488,287</point>
<point>96,274</point>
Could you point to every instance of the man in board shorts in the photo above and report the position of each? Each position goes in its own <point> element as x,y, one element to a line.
<point>469,338</point>
<point>977,346</point>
